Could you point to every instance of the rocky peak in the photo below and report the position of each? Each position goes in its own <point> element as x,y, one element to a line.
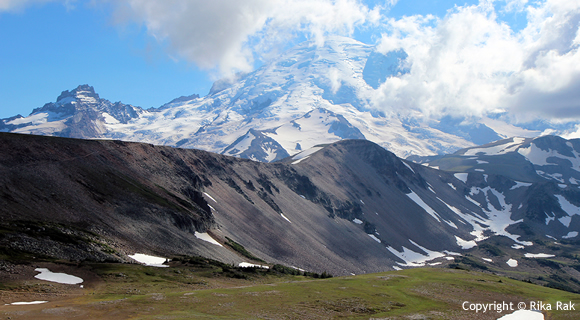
<point>82,93</point>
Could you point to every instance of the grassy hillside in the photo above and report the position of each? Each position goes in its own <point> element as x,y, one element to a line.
<point>204,289</point>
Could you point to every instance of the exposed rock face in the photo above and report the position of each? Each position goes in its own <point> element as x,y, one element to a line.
<point>346,207</point>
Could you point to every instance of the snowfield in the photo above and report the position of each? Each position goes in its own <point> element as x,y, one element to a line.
<point>148,260</point>
<point>64,278</point>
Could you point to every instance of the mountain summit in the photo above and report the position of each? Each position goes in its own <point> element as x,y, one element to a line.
<point>307,96</point>
<point>79,113</point>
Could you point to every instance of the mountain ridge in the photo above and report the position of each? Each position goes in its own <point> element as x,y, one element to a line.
<point>337,81</point>
<point>345,207</point>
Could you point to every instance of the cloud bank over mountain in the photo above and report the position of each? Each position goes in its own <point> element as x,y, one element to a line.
<point>471,62</point>
<point>229,34</point>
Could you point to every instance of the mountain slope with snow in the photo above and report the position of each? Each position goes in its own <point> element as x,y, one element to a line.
<point>308,95</point>
<point>550,158</point>
<point>345,207</point>
<point>80,113</point>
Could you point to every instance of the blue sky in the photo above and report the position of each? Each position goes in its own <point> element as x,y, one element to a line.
<point>148,52</point>
<point>48,48</point>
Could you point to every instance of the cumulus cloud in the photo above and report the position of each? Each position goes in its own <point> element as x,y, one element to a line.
<point>228,35</point>
<point>471,64</point>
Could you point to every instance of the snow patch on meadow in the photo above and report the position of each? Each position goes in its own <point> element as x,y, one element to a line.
<point>64,278</point>
<point>148,260</point>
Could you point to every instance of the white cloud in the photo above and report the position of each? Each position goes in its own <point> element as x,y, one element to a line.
<point>470,63</point>
<point>230,34</point>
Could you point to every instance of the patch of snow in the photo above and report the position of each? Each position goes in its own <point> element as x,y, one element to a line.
<point>464,244</point>
<point>435,263</point>
<point>362,202</point>
<point>479,170</point>
<point>569,208</point>
<point>300,160</point>
<point>550,219</point>
<point>517,246</point>
<point>245,143</point>
<point>486,259</point>
<point>482,162</point>
<point>251,265</point>
<point>555,176</point>
<point>33,119</point>
<point>148,260</point>
<point>472,201</point>
<point>540,157</point>
<point>207,238</point>
<point>299,269</point>
<point>375,238</point>
<point>305,154</point>
<point>357,221</point>
<point>461,176</point>
<point>449,258</point>
<point>25,303</point>
<point>452,186</point>
<point>565,221</point>
<point>499,220</point>
<point>271,154</point>
<point>408,166</point>
<point>549,236</point>
<point>538,255</point>
<point>109,119</point>
<point>512,263</point>
<point>397,268</point>
<point>497,149</point>
<point>64,278</point>
<point>283,216</point>
<point>413,196</point>
<point>571,234</point>
<point>563,186</point>
<point>520,184</point>
<point>415,259</point>
<point>212,199</point>
<point>451,224</point>
<point>523,315</point>
<point>302,196</point>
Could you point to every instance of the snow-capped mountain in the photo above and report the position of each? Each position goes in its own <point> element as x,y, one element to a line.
<point>544,158</point>
<point>80,113</point>
<point>309,95</point>
<point>545,170</point>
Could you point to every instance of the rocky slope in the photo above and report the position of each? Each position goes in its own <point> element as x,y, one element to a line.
<point>346,207</point>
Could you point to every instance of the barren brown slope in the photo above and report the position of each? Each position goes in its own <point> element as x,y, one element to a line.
<point>140,197</point>
<point>351,207</point>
